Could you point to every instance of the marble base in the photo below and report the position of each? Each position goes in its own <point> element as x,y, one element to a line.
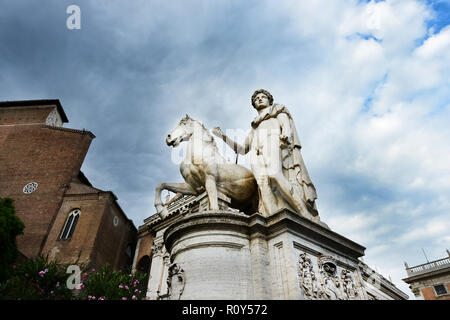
<point>229,255</point>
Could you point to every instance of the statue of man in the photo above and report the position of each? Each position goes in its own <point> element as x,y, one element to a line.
<point>275,159</point>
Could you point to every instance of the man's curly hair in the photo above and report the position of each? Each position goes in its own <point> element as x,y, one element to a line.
<point>267,93</point>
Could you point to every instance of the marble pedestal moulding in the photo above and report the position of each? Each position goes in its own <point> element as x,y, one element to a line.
<point>230,255</point>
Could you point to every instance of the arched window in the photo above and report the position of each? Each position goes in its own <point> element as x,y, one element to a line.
<point>128,250</point>
<point>71,222</point>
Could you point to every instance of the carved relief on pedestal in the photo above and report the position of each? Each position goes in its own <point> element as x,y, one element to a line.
<point>329,280</point>
<point>308,280</point>
<point>348,285</point>
<point>175,288</point>
<point>157,248</point>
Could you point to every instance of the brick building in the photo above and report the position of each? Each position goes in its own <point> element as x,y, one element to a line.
<point>431,280</point>
<point>64,215</point>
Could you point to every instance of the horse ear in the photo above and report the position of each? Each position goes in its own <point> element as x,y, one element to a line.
<point>187,116</point>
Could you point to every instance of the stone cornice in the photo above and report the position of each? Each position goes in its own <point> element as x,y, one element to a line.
<point>82,132</point>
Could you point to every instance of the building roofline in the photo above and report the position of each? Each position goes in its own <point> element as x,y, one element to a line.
<point>425,275</point>
<point>41,102</point>
<point>82,132</point>
<point>81,176</point>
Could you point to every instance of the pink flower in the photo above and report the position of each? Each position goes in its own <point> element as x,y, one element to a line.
<point>82,285</point>
<point>120,286</point>
<point>126,288</point>
<point>124,298</point>
<point>101,298</point>
<point>134,297</point>
<point>57,285</point>
<point>41,274</point>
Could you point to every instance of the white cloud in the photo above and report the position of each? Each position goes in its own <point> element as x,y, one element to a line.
<point>435,230</point>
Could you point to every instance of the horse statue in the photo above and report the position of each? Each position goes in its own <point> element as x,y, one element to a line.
<point>205,169</point>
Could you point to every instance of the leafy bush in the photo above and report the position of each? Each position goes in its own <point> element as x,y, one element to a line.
<point>36,279</point>
<point>41,279</point>
<point>109,284</point>
<point>10,227</point>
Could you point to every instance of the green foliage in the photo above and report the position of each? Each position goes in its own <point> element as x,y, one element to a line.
<point>10,227</point>
<point>41,279</point>
<point>109,284</point>
<point>36,279</point>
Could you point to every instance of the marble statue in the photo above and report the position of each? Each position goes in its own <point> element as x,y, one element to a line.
<point>205,169</point>
<point>276,160</point>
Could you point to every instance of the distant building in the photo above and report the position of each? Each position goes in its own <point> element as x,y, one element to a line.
<point>431,280</point>
<point>65,217</point>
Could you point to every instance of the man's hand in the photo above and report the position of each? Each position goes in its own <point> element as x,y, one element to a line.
<point>285,141</point>
<point>218,132</point>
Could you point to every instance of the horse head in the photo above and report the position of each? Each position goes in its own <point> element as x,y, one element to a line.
<point>182,132</point>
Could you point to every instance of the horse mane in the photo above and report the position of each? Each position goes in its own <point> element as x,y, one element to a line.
<point>208,134</point>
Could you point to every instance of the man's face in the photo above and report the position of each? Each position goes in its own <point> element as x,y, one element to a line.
<point>261,101</point>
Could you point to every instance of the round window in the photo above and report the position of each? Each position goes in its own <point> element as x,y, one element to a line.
<point>30,187</point>
<point>116,221</point>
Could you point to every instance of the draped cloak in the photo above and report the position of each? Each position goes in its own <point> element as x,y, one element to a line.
<point>294,168</point>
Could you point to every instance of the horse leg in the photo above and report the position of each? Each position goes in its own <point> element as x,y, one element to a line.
<point>182,188</point>
<point>211,190</point>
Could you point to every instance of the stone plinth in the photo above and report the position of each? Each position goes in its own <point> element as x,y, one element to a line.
<point>213,251</point>
<point>230,255</point>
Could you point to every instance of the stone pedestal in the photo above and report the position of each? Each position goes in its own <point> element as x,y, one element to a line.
<point>229,255</point>
<point>213,250</point>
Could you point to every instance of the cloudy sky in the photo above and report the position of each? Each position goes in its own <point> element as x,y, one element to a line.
<point>367,83</point>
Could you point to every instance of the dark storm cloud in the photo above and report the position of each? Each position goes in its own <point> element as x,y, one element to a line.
<point>117,76</point>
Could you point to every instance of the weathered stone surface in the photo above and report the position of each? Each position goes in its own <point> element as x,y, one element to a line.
<point>230,255</point>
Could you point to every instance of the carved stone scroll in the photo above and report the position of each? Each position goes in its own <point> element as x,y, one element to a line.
<point>308,280</point>
<point>349,287</point>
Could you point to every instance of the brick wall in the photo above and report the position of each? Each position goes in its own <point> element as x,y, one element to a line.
<point>429,293</point>
<point>112,239</point>
<point>48,156</point>
<point>146,242</point>
<point>77,249</point>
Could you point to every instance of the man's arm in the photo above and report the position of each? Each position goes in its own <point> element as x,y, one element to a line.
<point>286,132</point>
<point>233,144</point>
